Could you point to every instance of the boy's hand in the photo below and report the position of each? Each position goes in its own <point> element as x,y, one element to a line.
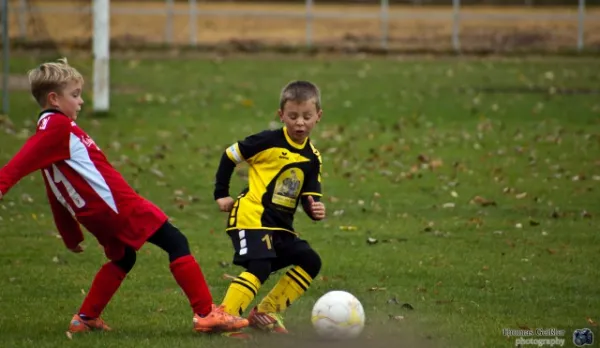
<point>225,204</point>
<point>78,249</point>
<point>317,209</point>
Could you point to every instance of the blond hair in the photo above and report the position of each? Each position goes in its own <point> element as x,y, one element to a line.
<point>300,91</point>
<point>51,77</point>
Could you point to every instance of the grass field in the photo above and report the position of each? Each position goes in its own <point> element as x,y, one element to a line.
<point>496,29</point>
<point>477,178</point>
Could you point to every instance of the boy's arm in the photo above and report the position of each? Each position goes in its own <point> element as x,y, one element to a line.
<point>312,188</point>
<point>50,144</point>
<point>223,176</point>
<point>242,151</point>
<point>67,226</point>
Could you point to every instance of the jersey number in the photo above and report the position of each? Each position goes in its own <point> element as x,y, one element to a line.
<point>56,178</point>
<point>268,240</point>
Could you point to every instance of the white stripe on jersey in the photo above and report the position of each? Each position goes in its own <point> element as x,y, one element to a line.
<point>80,161</point>
<point>56,192</point>
<point>235,154</point>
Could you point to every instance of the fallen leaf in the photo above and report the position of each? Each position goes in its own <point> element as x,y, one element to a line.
<point>423,158</point>
<point>591,321</point>
<point>376,288</point>
<point>407,306</point>
<point>586,215</point>
<point>396,317</point>
<point>228,276</point>
<point>372,241</point>
<point>521,195</point>
<point>482,201</point>
<point>157,172</point>
<point>69,335</point>
<point>393,300</point>
<point>551,251</point>
<point>436,163</point>
<point>26,198</point>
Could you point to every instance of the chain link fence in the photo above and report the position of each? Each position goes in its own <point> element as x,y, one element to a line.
<point>409,25</point>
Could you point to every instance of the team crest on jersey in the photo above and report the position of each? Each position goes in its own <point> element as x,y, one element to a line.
<point>287,187</point>
<point>87,141</point>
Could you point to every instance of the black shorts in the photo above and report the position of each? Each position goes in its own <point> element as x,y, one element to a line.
<point>265,244</point>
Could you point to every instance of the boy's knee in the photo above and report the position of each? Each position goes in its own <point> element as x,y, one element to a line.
<point>261,269</point>
<point>310,262</point>
<point>171,240</point>
<point>181,247</point>
<point>127,262</point>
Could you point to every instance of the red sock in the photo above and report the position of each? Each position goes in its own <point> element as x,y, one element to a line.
<point>105,284</point>
<point>189,276</point>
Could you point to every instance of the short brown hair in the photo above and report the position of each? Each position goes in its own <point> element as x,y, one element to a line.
<point>51,77</point>
<point>300,91</point>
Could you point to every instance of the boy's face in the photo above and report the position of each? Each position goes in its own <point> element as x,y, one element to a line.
<point>300,118</point>
<point>68,101</point>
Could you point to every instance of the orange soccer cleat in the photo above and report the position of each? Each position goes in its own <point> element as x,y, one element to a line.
<point>218,320</point>
<point>78,324</point>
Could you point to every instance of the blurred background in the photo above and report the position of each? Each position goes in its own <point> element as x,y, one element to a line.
<point>401,25</point>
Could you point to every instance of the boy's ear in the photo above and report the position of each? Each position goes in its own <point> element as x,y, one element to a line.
<point>52,99</point>
<point>280,113</point>
<point>319,115</point>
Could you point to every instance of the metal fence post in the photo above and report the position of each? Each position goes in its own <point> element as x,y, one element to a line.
<point>193,39</point>
<point>101,51</point>
<point>385,22</point>
<point>456,25</point>
<point>581,25</point>
<point>22,15</point>
<point>169,22</point>
<point>5,57</point>
<point>309,20</point>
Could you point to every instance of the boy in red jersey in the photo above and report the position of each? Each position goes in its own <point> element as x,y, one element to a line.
<point>83,188</point>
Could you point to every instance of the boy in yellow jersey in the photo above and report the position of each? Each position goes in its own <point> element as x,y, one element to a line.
<point>285,168</point>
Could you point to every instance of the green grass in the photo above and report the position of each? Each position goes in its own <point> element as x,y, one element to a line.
<point>468,270</point>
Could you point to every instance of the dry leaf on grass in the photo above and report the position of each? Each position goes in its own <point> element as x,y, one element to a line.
<point>482,201</point>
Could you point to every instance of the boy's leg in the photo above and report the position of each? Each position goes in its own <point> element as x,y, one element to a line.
<point>190,278</point>
<point>105,285</point>
<point>291,285</point>
<point>254,251</point>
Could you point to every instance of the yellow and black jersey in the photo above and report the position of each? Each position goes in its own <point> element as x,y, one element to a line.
<point>281,173</point>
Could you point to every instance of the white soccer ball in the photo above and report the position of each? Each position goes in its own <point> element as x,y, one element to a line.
<point>338,315</point>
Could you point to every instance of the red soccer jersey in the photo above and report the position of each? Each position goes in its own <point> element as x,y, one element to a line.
<point>83,187</point>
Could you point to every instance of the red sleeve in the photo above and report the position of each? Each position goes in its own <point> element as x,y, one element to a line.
<point>67,226</point>
<point>49,144</point>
